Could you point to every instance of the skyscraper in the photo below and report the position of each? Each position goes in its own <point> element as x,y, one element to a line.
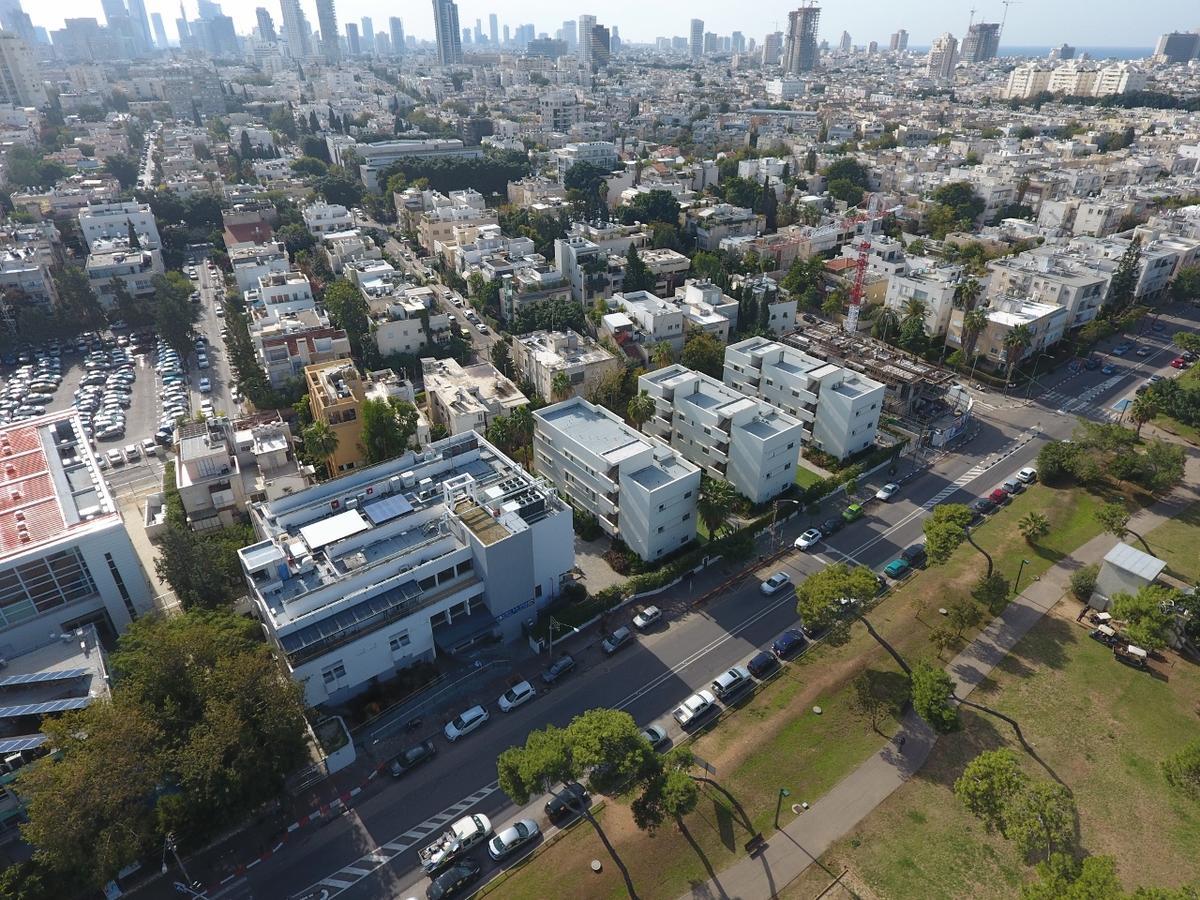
<point>160,31</point>
<point>20,77</point>
<point>601,47</point>
<point>696,42</point>
<point>368,35</point>
<point>478,31</point>
<point>506,36</point>
<point>141,24</point>
<point>445,21</point>
<point>569,34</point>
<point>331,49</point>
<point>981,43</point>
<point>942,55</point>
<point>737,42</point>
<point>772,48</point>
<point>800,46</point>
<point>900,41</point>
<point>396,27</point>
<point>584,48</point>
<point>13,18</point>
<point>846,44</point>
<point>295,29</point>
<point>1177,47</point>
<point>494,29</point>
<point>266,27</point>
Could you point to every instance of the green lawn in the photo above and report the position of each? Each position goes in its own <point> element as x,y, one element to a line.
<point>805,476</point>
<point>1175,542</point>
<point>1099,726</point>
<point>1190,378</point>
<point>775,740</point>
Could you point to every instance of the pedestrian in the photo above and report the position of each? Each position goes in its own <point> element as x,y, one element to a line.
<point>900,739</point>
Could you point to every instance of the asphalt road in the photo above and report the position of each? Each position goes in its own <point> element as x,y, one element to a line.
<point>370,851</point>
<point>212,293</point>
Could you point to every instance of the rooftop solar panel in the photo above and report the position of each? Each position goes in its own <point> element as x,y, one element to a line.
<point>39,709</point>
<point>17,744</point>
<point>388,508</point>
<point>39,677</point>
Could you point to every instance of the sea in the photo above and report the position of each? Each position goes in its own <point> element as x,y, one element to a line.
<point>1092,52</point>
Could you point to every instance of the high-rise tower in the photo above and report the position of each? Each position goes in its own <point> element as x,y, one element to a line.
<point>800,45</point>
<point>449,41</point>
<point>696,42</point>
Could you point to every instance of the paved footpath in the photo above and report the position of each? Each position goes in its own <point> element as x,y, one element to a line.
<point>801,843</point>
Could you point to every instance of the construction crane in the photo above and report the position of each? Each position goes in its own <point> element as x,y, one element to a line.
<point>1004,18</point>
<point>860,265</point>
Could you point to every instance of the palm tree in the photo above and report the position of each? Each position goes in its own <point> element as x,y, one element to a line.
<point>640,409</point>
<point>974,321</point>
<point>661,355</point>
<point>560,387</point>
<point>914,308</point>
<point>1015,342</point>
<point>1033,526</point>
<point>1142,410</point>
<point>967,293</point>
<point>320,443</point>
<point>716,503</point>
<point>886,324</point>
<point>520,420</point>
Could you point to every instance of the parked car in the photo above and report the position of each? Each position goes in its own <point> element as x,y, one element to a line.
<point>832,525</point>
<point>409,759</point>
<point>558,668</point>
<point>1143,351</point>
<point>887,492</point>
<point>690,710</point>
<point>1012,486</point>
<point>565,803</point>
<point>205,385</point>
<point>615,641</point>
<point>519,693</point>
<point>514,837</point>
<point>1179,363</point>
<point>731,682</point>
<point>776,583</point>
<point>115,458</point>
<point>998,496</point>
<point>1121,349</point>
<point>132,453</point>
<point>464,723</point>
<point>853,512</point>
<point>914,555</point>
<point>808,539</point>
<point>454,881</point>
<point>1109,369</point>
<point>1028,474</point>
<point>791,641</point>
<point>647,617</point>
<point>897,568</point>
<point>656,735</point>
<point>762,664</point>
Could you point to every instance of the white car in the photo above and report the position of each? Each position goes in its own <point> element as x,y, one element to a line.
<point>515,696</point>
<point>656,735</point>
<point>205,385</point>
<point>646,617</point>
<point>512,838</point>
<point>695,706</point>
<point>728,683</point>
<point>116,458</point>
<point>809,539</point>
<point>1027,474</point>
<point>465,723</point>
<point>887,492</point>
<point>775,583</point>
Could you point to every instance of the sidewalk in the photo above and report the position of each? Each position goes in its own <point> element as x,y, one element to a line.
<point>801,843</point>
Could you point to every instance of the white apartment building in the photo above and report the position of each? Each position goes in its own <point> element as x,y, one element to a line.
<point>341,247</point>
<point>639,489</point>
<point>208,476</point>
<point>402,317</point>
<point>322,218</point>
<point>66,560</point>
<point>713,224</point>
<point>585,265</point>
<point>602,154</point>
<point>885,256</point>
<point>251,262</point>
<point>467,398</point>
<point>1046,325</point>
<point>838,408</point>
<point>25,269</point>
<point>458,221</point>
<point>932,286</point>
<point>21,82</point>
<point>431,552</point>
<point>654,318</point>
<point>541,355</point>
<point>279,294</point>
<point>286,345</point>
<point>732,437</point>
<point>113,261</point>
<point>1054,276</point>
<point>103,222</point>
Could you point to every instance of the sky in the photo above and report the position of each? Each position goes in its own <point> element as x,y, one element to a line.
<point>1107,23</point>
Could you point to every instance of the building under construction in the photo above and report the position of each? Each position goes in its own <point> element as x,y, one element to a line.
<point>800,45</point>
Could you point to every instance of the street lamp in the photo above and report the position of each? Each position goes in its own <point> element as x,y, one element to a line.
<point>1017,586</point>
<point>783,792</point>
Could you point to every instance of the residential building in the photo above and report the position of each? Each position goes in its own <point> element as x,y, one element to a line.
<point>934,286</point>
<point>981,43</point>
<point>732,437</point>
<point>252,262</point>
<point>838,408</point>
<point>466,398</point>
<point>539,357</point>
<point>639,489</point>
<point>208,475</point>
<point>1045,323</point>
<point>445,22</point>
<point>1054,276</point>
<point>1177,47</point>
<point>20,75</point>
<point>113,261</point>
<point>322,219</point>
<point>654,319</point>
<point>706,308</point>
<point>404,318</point>
<point>601,154</point>
<point>26,271</point>
<point>288,343</point>
<point>114,221</point>
<point>335,397</point>
<point>696,43</point>
<point>385,385</point>
<point>66,560</point>
<point>432,552</point>
<point>800,46</point>
<point>943,54</point>
<point>713,224</point>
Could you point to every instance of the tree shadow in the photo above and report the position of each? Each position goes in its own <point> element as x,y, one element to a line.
<point>1043,646</point>
<point>953,751</point>
<point>1020,735</point>
<point>701,889</point>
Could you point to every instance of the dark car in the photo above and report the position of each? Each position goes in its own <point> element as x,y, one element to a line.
<point>809,318</point>
<point>832,524</point>
<point>409,759</point>
<point>914,555</point>
<point>790,642</point>
<point>558,668</point>
<point>566,802</point>
<point>762,664</point>
<point>453,881</point>
<point>982,506</point>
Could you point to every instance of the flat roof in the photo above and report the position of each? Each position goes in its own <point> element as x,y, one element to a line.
<point>1130,559</point>
<point>335,528</point>
<point>614,441</point>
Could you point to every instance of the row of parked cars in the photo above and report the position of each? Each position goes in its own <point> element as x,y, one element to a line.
<point>30,388</point>
<point>175,397</point>
<point>1008,488</point>
<point>105,392</point>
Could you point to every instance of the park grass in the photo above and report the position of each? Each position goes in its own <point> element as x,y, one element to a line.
<point>1099,726</point>
<point>775,740</point>
<point>1191,379</point>
<point>1177,543</point>
<point>805,476</point>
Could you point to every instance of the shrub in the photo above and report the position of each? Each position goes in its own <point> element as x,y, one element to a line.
<point>1083,582</point>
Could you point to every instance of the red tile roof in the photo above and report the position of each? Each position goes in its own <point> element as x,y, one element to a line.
<point>29,508</point>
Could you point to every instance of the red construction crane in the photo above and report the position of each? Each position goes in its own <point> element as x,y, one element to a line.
<point>860,266</point>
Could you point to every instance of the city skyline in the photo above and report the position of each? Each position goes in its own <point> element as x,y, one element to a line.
<point>1109,25</point>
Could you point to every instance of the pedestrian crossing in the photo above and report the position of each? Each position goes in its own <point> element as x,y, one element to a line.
<point>964,479</point>
<point>1070,403</point>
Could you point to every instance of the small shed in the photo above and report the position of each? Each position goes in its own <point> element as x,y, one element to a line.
<point>1127,570</point>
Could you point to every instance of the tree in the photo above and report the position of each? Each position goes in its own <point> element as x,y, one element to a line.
<point>1148,615</point>
<point>310,166</point>
<point>716,502</point>
<point>850,169</point>
<point>944,530</point>
<point>348,310</point>
<point>203,570</point>
<point>1083,582</point>
<point>640,409</point>
<point>866,701</point>
<point>833,304</point>
<point>1040,819</point>
<point>1162,466</point>
<point>886,324</point>
<point>80,309</point>
<point>704,353</point>
<point>320,442</point>
<point>337,186</point>
<point>846,190</point>
<point>974,322</point>
<point>661,354</point>
<point>1142,410</point>
<point>387,428</point>
<point>962,615</point>
<point>1063,877</point>
<point>1015,342</point>
<point>123,168</point>
<point>637,276</point>
<point>1184,289</point>
<point>967,293</point>
<point>962,201</point>
<point>932,691</point>
<point>1056,460</point>
<point>671,792</point>
<point>819,603</point>
<point>1182,770</point>
<point>1114,519</point>
<point>1033,525</point>
<point>560,387</point>
<point>991,592</point>
<point>174,313</point>
<point>1123,285</point>
<point>521,424</point>
<point>988,784</point>
<point>502,358</point>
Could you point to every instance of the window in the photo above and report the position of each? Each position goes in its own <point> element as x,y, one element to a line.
<point>332,674</point>
<point>120,583</point>
<point>687,495</point>
<point>686,516</point>
<point>398,641</point>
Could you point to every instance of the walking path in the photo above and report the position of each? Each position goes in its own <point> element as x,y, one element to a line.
<point>802,842</point>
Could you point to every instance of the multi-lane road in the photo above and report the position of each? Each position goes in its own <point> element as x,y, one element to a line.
<point>370,851</point>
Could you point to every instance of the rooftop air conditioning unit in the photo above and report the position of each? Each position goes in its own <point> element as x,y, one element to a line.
<point>351,503</point>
